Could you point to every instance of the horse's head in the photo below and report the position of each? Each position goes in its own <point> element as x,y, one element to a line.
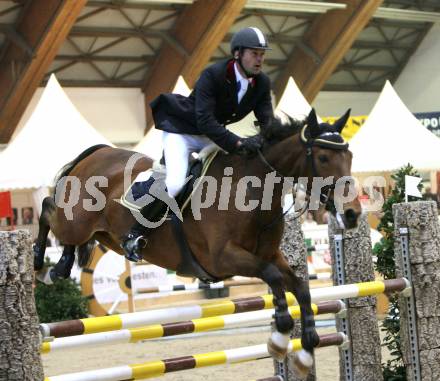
<point>328,158</point>
<point>316,152</point>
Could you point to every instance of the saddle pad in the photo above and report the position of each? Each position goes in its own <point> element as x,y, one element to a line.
<point>139,188</point>
<point>141,184</point>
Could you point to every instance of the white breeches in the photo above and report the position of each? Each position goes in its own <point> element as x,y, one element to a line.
<point>177,149</point>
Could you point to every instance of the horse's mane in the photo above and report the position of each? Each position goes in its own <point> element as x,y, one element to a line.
<point>67,168</point>
<point>277,130</point>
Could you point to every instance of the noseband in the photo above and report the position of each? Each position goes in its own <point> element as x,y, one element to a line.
<point>331,140</point>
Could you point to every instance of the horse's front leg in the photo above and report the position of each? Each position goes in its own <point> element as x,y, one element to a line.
<point>279,342</point>
<point>303,360</point>
<point>238,261</point>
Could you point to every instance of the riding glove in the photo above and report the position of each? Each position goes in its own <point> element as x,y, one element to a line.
<point>249,146</point>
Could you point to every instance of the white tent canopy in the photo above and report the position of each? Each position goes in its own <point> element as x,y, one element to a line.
<point>151,143</point>
<point>54,135</point>
<point>181,87</point>
<point>291,103</point>
<point>392,137</point>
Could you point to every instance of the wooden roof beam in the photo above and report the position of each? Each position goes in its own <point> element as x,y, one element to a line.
<point>330,36</point>
<point>199,30</point>
<point>42,29</point>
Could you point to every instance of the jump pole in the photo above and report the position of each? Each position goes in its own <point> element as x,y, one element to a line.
<point>158,368</point>
<point>183,313</point>
<point>155,331</point>
<point>214,286</point>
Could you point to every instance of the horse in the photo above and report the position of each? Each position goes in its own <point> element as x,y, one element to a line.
<point>225,241</point>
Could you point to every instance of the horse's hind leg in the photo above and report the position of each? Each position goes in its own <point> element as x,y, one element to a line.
<point>48,207</point>
<point>62,269</point>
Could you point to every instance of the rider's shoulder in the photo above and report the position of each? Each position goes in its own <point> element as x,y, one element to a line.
<point>217,68</point>
<point>263,79</point>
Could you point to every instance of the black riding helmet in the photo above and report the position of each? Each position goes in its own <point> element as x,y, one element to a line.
<point>248,38</point>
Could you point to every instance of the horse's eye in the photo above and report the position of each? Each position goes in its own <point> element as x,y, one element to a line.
<point>323,159</point>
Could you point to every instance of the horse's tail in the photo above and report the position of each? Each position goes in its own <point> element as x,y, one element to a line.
<point>85,252</point>
<point>66,169</point>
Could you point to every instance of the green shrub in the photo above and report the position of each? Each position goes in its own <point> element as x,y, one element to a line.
<point>394,369</point>
<point>60,301</point>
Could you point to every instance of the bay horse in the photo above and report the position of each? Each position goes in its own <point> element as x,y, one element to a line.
<point>224,242</point>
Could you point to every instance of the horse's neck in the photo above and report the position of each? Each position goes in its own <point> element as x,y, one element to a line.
<point>252,168</point>
<point>288,157</point>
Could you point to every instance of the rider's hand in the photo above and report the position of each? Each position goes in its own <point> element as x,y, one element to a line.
<point>249,146</point>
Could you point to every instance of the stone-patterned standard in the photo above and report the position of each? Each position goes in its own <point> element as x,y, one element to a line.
<point>421,219</point>
<point>19,335</point>
<point>361,312</point>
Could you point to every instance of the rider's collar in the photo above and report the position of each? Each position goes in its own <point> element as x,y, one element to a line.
<point>230,73</point>
<point>239,77</point>
<point>327,139</point>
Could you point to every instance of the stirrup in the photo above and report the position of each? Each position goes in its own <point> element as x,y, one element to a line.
<point>132,247</point>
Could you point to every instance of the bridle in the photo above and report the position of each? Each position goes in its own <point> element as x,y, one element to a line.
<point>331,140</point>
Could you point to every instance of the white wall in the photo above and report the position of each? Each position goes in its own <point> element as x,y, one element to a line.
<point>419,83</point>
<point>118,114</point>
<point>332,103</point>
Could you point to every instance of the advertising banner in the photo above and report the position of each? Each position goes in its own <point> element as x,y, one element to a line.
<point>431,120</point>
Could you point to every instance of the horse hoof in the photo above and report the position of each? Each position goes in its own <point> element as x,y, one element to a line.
<point>54,275</point>
<point>44,277</point>
<point>277,352</point>
<point>302,362</point>
<point>38,261</point>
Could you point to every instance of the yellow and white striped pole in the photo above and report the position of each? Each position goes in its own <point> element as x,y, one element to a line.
<point>158,368</point>
<point>179,328</point>
<point>183,313</point>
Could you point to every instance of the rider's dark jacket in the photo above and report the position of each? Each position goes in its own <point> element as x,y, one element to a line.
<point>213,104</point>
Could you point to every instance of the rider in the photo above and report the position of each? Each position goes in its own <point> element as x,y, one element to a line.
<point>224,93</point>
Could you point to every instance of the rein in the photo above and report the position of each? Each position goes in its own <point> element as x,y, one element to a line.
<point>324,197</point>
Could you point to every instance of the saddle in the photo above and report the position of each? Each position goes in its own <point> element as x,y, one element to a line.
<point>134,199</point>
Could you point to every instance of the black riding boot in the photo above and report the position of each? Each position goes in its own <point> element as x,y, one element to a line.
<point>136,239</point>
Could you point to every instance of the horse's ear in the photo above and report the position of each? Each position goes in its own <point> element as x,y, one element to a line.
<point>312,121</point>
<point>342,121</point>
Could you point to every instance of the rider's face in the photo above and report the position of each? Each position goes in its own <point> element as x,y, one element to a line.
<point>252,60</point>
